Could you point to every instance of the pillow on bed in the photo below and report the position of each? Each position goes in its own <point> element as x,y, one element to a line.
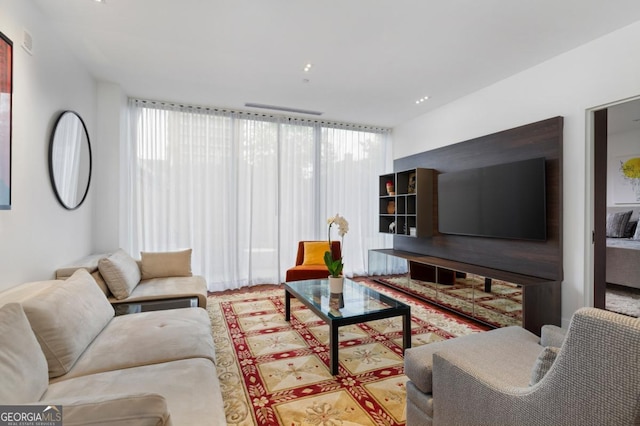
<point>631,229</point>
<point>617,223</point>
<point>636,235</point>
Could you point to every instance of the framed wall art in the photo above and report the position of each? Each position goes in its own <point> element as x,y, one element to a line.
<point>626,185</point>
<point>6,94</point>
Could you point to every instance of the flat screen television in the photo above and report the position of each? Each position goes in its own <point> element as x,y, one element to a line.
<point>501,201</point>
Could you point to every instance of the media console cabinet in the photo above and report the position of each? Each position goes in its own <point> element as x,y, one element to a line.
<point>541,298</point>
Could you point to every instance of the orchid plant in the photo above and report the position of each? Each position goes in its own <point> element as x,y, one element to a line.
<point>335,266</point>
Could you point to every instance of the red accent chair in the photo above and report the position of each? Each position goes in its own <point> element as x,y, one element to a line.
<point>311,272</point>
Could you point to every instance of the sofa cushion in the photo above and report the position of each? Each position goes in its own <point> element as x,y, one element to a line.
<point>66,318</point>
<point>145,409</point>
<point>166,264</point>
<point>482,348</point>
<point>307,272</point>
<point>421,401</point>
<point>20,357</point>
<point>190,387</point>
<point>314,252</point>
<point>543,363</point>
<point>121,273</point>
<point>183,333</point>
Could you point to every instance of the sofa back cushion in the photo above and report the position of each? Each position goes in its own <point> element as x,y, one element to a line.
<point>121,273</point>
<point>165,264</point>
<point>23,367</point>
<point>66,318</point>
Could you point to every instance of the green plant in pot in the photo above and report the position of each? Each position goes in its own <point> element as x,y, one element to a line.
<point>335,266</point>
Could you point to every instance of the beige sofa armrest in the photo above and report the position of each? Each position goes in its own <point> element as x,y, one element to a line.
<point>145,409</point>
<point>90,263</point>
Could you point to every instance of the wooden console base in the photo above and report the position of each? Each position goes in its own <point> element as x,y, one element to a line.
<point>541,298</point>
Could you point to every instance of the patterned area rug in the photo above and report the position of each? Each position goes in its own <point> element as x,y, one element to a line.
<point>276,373</point>
<point>501,307</point>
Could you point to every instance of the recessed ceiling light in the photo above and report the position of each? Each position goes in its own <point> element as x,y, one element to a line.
<point>421,100</point>
<point>307,67</point>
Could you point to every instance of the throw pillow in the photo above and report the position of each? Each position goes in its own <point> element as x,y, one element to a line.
<point>66,318</point>
<point>636,235</point>
<point>314,252</point>
<point>121,273</point>
<point>165,264</point>
<point>630,230</point>
<point>23,367</point>
<point>543,363</point>
<point>617,223</point>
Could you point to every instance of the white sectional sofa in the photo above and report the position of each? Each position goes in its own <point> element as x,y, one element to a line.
<point>155,277</point>
<point>62,345</point>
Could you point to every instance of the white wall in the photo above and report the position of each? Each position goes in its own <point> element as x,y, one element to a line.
<point>111,110</point>
<point>38,235</point>
<point>600,72</point>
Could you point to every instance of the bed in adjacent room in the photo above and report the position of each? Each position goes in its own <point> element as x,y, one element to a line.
<point>623,248</point>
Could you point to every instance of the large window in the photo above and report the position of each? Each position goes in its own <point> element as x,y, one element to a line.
<point>242,189</point>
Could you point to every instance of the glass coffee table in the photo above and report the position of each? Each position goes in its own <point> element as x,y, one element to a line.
<point>356,304</point>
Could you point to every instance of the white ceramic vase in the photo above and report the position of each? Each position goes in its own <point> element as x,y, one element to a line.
<point>336,284</point>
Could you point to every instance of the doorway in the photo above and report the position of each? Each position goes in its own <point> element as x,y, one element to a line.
<point>616,135</point>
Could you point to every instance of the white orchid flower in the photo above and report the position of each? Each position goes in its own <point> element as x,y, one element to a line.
<point>343,228</point>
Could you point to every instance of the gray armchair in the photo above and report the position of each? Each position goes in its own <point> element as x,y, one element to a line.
<point>509,376</point>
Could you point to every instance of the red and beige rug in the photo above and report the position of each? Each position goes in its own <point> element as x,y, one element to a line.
<point>276,373</point>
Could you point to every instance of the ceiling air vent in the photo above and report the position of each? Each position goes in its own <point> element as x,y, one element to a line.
<point>27,42</point>
<point>280,108</point>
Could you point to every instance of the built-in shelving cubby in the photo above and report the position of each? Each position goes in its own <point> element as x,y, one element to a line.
<point>407,203</point>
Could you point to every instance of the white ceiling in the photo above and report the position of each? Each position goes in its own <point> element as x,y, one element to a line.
<point>624,117</point>
<point>372,59</point>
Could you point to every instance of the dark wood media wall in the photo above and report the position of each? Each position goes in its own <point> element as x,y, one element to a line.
<point>541,259</point>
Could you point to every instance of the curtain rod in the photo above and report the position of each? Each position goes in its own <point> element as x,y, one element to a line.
<point>257,114</point>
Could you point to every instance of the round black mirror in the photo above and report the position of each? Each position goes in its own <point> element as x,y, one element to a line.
<point>70,160</point>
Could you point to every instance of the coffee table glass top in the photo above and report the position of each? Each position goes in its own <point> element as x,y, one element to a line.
<point>355,300</point>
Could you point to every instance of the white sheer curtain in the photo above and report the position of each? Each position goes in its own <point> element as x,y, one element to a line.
<point>243,189</point>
